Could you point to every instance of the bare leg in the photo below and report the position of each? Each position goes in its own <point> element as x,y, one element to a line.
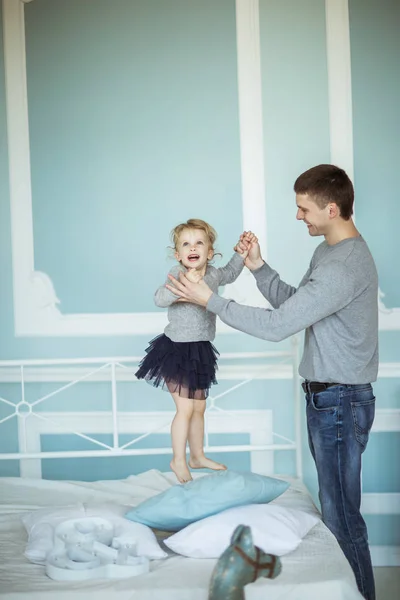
<point>196,440</point>
<point>179,435</point>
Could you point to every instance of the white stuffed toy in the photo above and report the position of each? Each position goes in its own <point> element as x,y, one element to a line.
<point>86,542</point>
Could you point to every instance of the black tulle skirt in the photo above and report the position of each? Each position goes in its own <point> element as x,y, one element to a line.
<point>187,368</point>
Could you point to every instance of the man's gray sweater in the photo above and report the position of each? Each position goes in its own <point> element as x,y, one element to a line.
<point>336,303</point>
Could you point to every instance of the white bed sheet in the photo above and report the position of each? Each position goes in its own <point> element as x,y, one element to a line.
<point>316,569</point>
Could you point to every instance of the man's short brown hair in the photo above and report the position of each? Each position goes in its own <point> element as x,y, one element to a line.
<point>325,184</point>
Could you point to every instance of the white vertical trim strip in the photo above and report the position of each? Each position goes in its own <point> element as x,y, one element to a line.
<point>114,404</point>
<point>339,84</point>
<point>250,119</point>
<point>18,154</point>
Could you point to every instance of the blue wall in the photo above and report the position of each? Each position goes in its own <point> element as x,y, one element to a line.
<point>133,111</point>
<point>133,127</point>
<point>375,49</point>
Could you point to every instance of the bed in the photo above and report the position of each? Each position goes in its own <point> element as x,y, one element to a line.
<point>316,569</point>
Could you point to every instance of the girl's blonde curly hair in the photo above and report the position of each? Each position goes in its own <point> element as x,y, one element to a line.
<point>210,232</point>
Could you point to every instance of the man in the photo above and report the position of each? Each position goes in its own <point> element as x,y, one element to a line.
<point>337,305</point>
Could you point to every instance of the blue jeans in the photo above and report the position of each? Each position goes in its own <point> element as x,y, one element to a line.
<point>339,420</point>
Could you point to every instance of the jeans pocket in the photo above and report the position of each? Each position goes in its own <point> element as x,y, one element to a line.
<point>363,418</point>
<point>324,401</point>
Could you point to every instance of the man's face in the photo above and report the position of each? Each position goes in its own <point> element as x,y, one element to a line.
<point>316,218</point>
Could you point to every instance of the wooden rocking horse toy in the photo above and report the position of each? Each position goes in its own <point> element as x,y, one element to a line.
<point>241,563</point>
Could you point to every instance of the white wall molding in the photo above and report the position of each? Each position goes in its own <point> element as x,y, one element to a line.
<point>389,318</point>
<point>380,504</point>
<point>251,119</point>
<point>36,306</point>
<point>339,84</point>
<point>238,371</point>
<point>251,132</point>
<point>389,370</point>
<point>385,556</point>
<point>386,419</point>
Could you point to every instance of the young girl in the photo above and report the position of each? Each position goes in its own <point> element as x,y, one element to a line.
<point>183,360</point>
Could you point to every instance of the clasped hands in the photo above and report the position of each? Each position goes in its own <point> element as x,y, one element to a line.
<point>191,289</point>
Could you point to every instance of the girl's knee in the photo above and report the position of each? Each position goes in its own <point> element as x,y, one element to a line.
<point>199,406</point>
<point>185,407</point>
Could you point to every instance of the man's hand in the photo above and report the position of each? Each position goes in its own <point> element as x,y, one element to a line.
<point>198,293</point>
<point>244,244</point>
<point>249,248</point>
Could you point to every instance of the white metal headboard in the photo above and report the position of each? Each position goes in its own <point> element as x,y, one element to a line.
<point>32,424</point>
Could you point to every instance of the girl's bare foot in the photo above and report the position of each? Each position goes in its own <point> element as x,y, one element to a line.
<point>205,463</point>
<point>181,470</point>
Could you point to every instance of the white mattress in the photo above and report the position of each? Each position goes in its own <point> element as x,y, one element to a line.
<point>316,569</point>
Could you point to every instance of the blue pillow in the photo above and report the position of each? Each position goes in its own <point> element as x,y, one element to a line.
<point>181,505</point>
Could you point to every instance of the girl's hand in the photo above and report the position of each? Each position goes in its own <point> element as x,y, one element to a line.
<point>244,244</point>
<point>249,249</point>
<point>193,275</point>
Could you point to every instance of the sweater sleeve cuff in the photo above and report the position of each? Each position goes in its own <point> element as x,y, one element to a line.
<point>261,272</point>
<point>238,258</point>
<point>216,303</point>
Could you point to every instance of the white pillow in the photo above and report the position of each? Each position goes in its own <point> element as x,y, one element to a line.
<point>40,525</point>
<point>275,529</point>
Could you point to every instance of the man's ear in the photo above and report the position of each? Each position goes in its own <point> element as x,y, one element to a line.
<point>333,210</point>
